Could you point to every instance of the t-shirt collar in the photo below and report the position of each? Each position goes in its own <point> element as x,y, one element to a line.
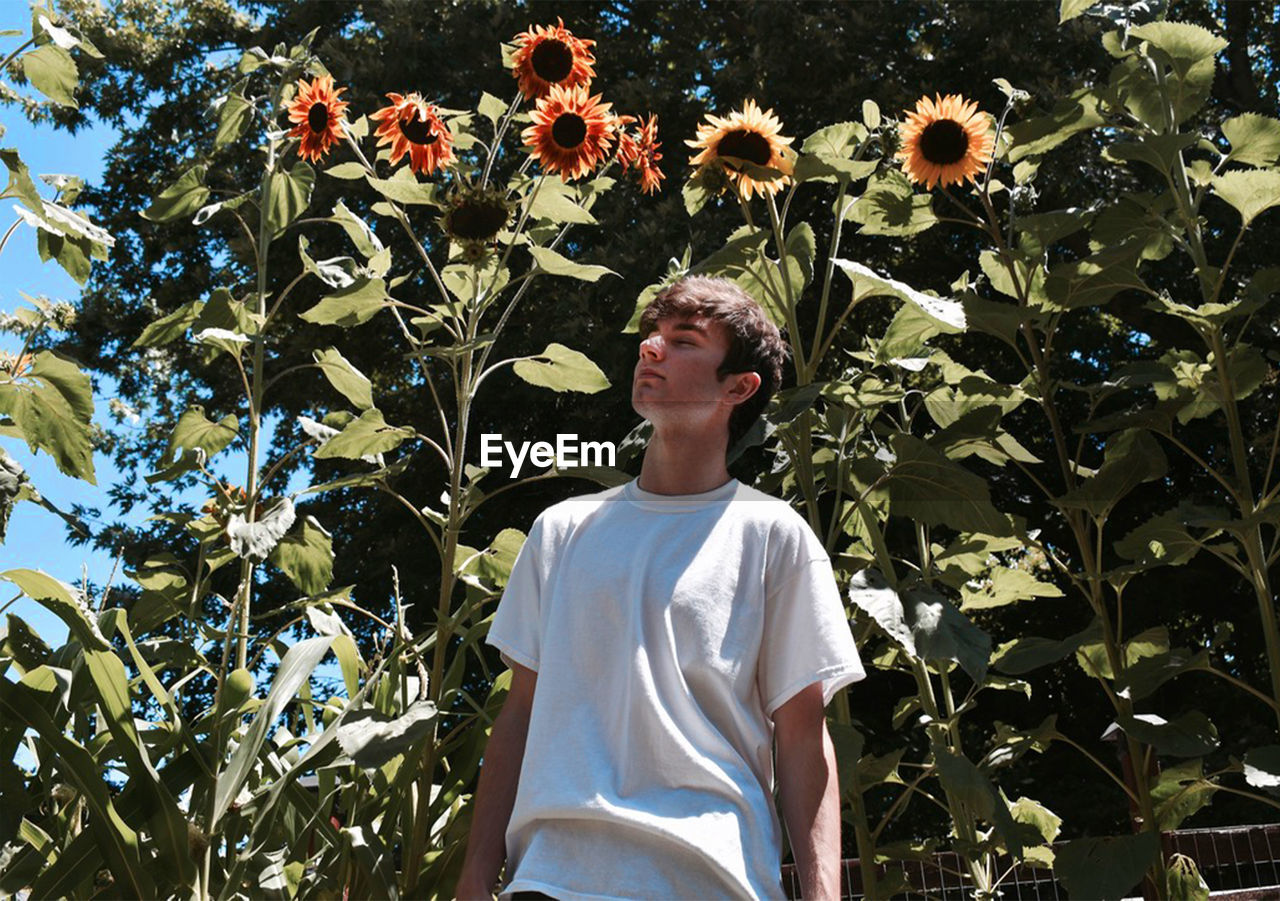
<point>678,503</point>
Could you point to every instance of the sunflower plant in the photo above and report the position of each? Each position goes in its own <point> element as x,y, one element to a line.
<point>890,444</point>
<point>364,792</point>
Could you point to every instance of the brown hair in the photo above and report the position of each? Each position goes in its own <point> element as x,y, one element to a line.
<point>755,345</point>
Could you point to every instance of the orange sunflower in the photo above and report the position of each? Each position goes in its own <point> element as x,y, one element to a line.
<point>641,150</point>
<point>317,112</point>
<point>548,55</point>
<point>571,132</point>
<point>945,141</point>
<point>752,135</point>
<point>413,126</point>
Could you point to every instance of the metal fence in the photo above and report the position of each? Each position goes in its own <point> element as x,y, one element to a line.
<point>1237,862</point>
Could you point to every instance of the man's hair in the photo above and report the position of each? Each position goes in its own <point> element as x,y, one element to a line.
<point>755,345</point>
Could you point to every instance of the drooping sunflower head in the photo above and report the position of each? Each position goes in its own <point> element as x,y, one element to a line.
<point>548,55</point>
<point>475,217</point>
<point>571,131</point>
<point>640,149</point>
<point>945,141</point>
<point>753,135</point>
<point>317,113</point>
<point>412,125</point>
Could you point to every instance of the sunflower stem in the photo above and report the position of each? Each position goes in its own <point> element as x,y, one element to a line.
<point>499,132</point>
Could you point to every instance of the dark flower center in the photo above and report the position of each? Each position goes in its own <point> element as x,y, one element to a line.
<point>318,117</point>
<point>477,220</point>
<point>745,145</point>
<point>417,131</point>
<point>552,61</point>
<point>944,142</point>
<point>569,130</point>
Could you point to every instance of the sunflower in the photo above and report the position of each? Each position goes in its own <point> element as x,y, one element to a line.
<point>475,216</point>
<point>641,150</point>
<point>571,132</point>
<point>751,135</point>
<point>413,126</point>
<point>548,55</point>
<point>318,113</point>
<point>945,141</point>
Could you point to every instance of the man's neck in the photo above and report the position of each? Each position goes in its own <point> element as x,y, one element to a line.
<point>684,463</point>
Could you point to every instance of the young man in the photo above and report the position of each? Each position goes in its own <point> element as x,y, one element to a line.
<point>663,636</point>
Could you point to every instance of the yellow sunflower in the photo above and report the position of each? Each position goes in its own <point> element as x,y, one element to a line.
<point>413,126</point>
<point>571,132</point>
<point>548,55</point>
<point>752,135</point>
<point>317,114</point>
<point>945,141</point>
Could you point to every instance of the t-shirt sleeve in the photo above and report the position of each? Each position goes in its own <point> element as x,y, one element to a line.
<point>516,630</point>
<point>806,636</point>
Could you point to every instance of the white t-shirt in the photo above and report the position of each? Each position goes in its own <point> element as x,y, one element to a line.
<point>665,631</point>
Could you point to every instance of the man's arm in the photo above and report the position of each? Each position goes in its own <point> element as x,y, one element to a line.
<point>496,793</point>
<point>810,791</point>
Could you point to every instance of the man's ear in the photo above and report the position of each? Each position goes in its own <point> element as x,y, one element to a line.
<point>742,385</point>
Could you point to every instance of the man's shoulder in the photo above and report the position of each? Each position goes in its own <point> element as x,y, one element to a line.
<point>574,509</point>
<point>767,509</point>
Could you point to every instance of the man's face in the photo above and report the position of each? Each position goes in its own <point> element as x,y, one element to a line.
<point>675,376</point>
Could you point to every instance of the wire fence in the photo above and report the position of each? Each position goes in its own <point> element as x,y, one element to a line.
<point>1237,862</point>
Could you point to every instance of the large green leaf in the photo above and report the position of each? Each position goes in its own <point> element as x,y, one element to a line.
<point>182,198</point>
<point>1179,792</point>
<point>1250,191</point>
<point>62,600</point>
<point>1096,279</point>
<point>234,115</point>
<point>195,430</point>
<point>288,196</point>
<point>947,314</point>
<point>406,190</point>
<point>924,485</point>
<point>361,437</point>
<point>350,382</point>
<point>492,566</point>
<point>1069,116</point>
<point>1182,43</point>
<point>1006,586</point>
<point>556,202</point>
<point>306,556</point>
<point>890,206</point>
<point>52,72</point>
<point>350,306</point>
<point>562,369</point>
<point>295,669</point>
<point>1162,540</point>
<point>20,183</point>
<point>170,327</point>
<point>47,421</point>
<point>1190,735</point>
<point>1254,139</point>
<point>552,263</point>
<point>1159,151</point>
<point>1022,655</point>
<point>924,623</point>
<point>1105,868</point>
<point>371,739</point>
<point>963,780</point>
<point>1132,457</point>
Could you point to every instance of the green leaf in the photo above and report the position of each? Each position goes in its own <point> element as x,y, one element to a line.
<point>964,781</point>
<point>171,327</point>
<point>492,566</point>
<point>348,171</point>
<point>351,306</point>
<point>1069,116</point>
<point>288,196</point>
<point>1105,868</point>
<point>371,739</point>
<point>182,198</point>
<point>1006,586</point>
<point>1159,151</point>
<point>295,669</point>
<point>1162,540</point>
<point>1182,43</point>
<point>48,422</point>
<point>1070,9</point>
<point>306,556</point>
<point>369,434</point>
<point>562,369</point>
<point>194,430</point>
<point>890,206</point>
<point>491,108</point>
<point>1040,231</point>
<point>1254,139</point>
<point>1095,279</point>
<point>20,183</point>
<point>359,231</point>
<point>555,203</point>
<point>1190,735</point>
<point>60,599</point>
<point>65,377</point>
<point>838,140</point>
<point>924,623</point>
<point>1183,882</point>
<point>1041,819</point>
<point>52,72</point>
<point>349,381</point>
<point>1022,655</point>
<point>1144,676</point>
<point>947,315</point>
<point>924,485</point>
<point>1132,457</point>
<point>233,117</point>
<point>1180,792</point>
<point>406,190</point>
<point>552,263</point>
<point>1251,192</point>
